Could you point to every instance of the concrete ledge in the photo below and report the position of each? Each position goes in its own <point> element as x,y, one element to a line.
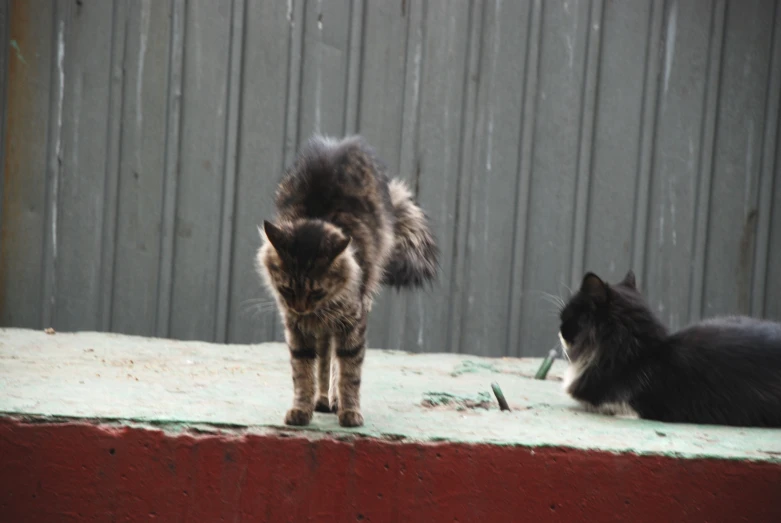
<point>99,426</point>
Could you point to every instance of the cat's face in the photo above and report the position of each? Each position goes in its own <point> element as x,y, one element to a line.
<point>306,264</point>
<point>602,317</point>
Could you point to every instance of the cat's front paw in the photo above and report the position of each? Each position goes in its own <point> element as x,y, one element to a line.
<point>298,417</point>
<point>323,405</point>
<point>350,418</point>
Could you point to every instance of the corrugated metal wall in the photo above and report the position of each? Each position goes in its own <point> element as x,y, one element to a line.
<point>144,140</point>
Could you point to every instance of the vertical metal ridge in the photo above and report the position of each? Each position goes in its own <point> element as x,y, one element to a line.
<point>396,303</point>
<point>5,73</point>
<point>588,119</point>
<point>705,167</point>
<point>485,87</point>
<point>647,140</point>
<point>408,15</point>
<point>5,67</point>
<point>295,81</point>
<point>54,153</point>
<point>171,173</point>
<point>524,176</point>
<point>352,90</point>
<point>113,154</point>
<point>409,153</point>
<point>293,94</point>
<point>230,167</point>
<point>767,169</point>
<point>463,185</point>
<point>775,187</point>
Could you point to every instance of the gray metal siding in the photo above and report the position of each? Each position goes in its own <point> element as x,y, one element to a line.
<point>144,139</point>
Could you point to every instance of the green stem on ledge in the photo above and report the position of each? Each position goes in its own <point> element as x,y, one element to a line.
<point>547,363</point>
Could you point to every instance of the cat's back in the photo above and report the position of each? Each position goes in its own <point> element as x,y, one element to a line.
<point>724,371</point>
<point>732,335</point>
<point>734,354</point>
<point>331,177</point>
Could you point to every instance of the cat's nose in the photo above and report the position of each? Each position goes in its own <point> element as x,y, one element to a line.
<point>300,307</point>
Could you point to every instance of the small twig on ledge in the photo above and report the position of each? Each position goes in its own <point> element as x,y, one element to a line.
<point>500,396</point>
<point>547,363</point>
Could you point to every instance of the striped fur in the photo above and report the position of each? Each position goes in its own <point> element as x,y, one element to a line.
<point>415,257</point>
<point>342,230</point>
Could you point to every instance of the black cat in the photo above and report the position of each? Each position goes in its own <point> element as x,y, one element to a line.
<point>723,371</point>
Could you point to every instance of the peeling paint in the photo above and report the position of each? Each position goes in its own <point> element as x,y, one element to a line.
<point>144,36</point>
<point>319,71</point>
<point>212,392</point>
<point>471,366</point>
<point>58,142</point>
<point>457,401</point>
<point>15,47</point>
<point>669,45</point>
<point>748,166</point>
<point>241,475</point>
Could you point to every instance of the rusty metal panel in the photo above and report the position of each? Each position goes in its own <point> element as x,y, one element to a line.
<point>5,37</point>
<point>738,156</point>
<point>32,91</point>
<point>143,140</point>
<point>690,49</point>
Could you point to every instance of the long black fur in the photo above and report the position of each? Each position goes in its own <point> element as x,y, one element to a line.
<point>326,183</point>
<point>724,371</point>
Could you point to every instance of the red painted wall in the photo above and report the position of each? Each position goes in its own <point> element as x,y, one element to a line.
<point>81,472</point>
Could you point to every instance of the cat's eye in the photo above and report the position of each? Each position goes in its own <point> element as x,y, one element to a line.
<point>317,295</point>
<point>286,292</point>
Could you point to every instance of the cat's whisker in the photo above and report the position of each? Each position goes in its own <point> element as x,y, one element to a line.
<point>262,307</point>
<point>554,300</point>
<point>552,311</point>
<point>562,284</point>
<point>563,351</point>
<point>258,310</point>
<point>259,299</point>
<point>264,303</point>
<point>261,303</point>
<point>259,315</point>
<point>556,347</point>
<point>557,301</point>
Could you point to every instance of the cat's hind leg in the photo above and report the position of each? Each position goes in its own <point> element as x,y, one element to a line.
<point>324,357</point>
<point>333,390</point>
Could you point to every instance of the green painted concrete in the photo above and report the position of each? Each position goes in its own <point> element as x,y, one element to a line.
<point>422,397</point>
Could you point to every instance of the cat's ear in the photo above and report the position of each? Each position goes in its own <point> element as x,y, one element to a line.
<point>594,288</point>
<point>629,280</point>
<point>339,246</point>
<point>275,236</point>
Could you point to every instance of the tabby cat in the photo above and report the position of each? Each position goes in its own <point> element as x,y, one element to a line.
<point>722,371</point>
<point>342,230</point>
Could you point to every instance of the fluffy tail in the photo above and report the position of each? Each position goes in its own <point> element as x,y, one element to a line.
<point>415,257</point>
